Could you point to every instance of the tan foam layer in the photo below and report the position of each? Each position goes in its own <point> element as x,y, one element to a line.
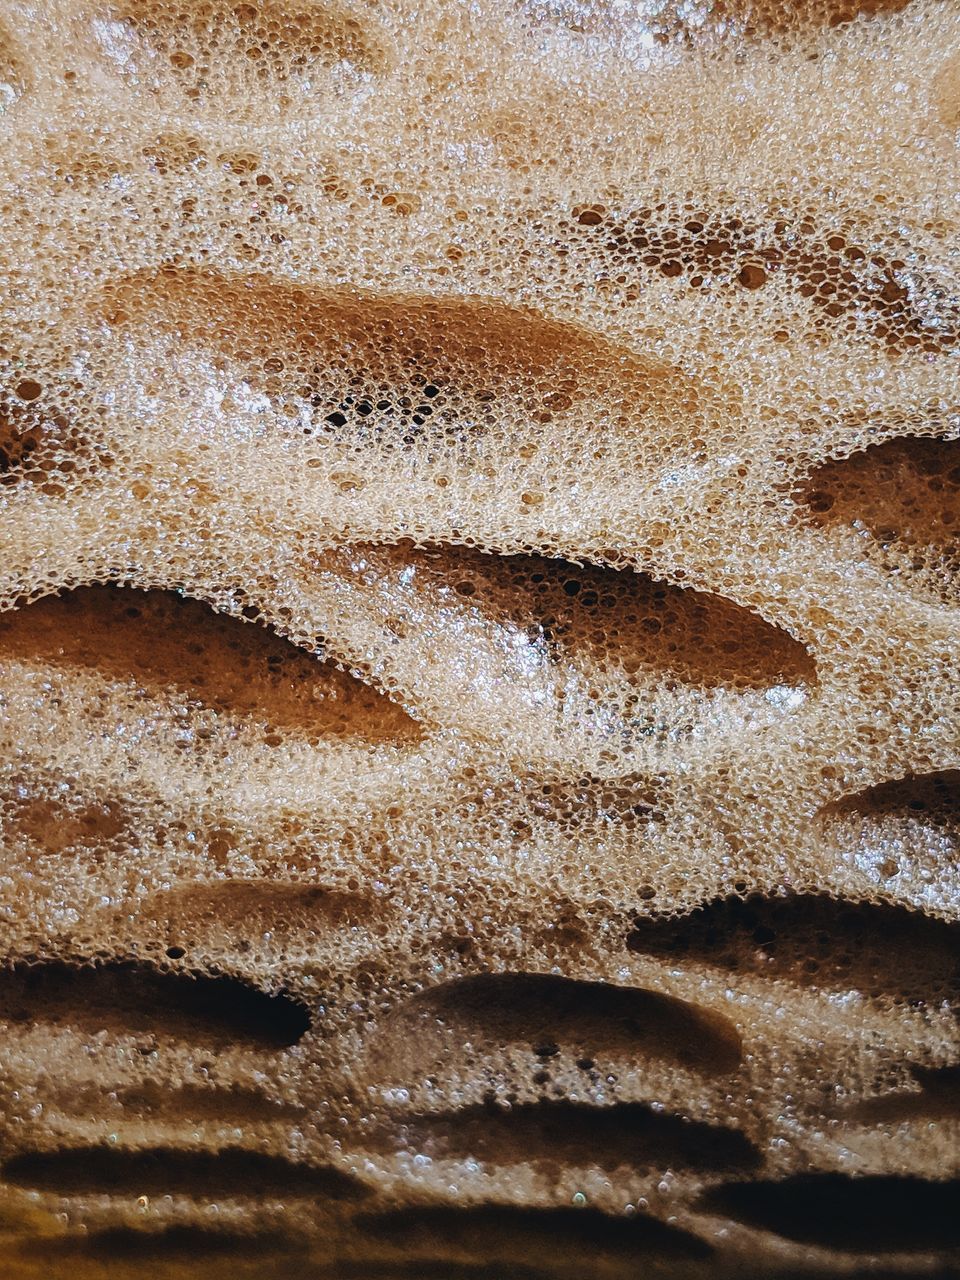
<point>478,636</point>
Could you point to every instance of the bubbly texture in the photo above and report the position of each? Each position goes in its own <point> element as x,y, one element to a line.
<point>479,602</point>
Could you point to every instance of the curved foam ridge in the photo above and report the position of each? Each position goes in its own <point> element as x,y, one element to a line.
<point>479,616</point>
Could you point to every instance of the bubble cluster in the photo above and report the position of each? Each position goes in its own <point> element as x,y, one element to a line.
<point>240,59</point>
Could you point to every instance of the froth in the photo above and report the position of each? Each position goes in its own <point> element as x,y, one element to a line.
<point>478,629</point>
